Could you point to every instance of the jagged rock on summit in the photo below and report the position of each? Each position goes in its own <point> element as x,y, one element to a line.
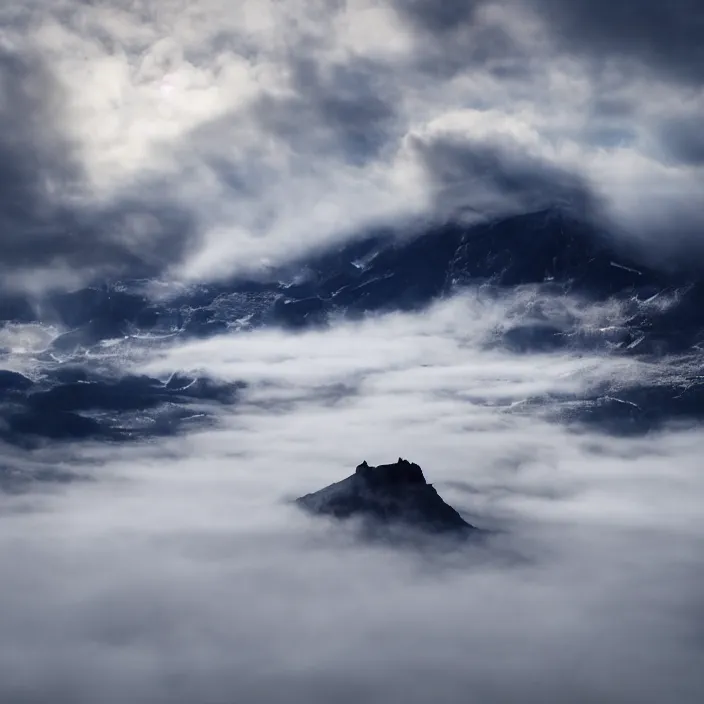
<point>388,494</point>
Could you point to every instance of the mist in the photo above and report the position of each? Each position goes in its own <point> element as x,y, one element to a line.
<point>177,569</point>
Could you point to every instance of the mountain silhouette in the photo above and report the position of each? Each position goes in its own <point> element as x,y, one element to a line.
<point>395,495</point>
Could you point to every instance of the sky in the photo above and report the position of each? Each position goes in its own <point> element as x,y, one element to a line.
<point>193,141</point>
<point>206,138</point>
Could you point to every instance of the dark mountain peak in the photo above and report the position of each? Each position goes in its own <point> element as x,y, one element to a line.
<point>388,495</point>
<point>402,472</point>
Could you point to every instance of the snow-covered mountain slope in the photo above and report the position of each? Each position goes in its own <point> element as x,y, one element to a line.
<point>565,288</point>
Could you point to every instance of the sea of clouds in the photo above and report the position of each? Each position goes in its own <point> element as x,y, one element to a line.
<point>176,570</point>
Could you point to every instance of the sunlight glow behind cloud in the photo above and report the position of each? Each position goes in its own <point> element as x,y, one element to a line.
<point>279,127</point>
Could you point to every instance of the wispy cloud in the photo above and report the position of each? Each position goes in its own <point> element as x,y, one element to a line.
<point>242,132</point>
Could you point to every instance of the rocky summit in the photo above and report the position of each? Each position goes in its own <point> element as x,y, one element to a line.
<point>388,495</point>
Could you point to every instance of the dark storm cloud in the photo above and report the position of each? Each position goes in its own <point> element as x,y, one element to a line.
<point>498,179</point>
<point>44,223</point>
<point>352,106</point>
<point>33,154</point>
<point>455,36</point>
<point>683,139</point>
<point>664,35</point>
<point>439,16</point>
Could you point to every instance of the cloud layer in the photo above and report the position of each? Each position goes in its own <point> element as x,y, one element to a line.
<point>176,571</point>
<point>211,139</point>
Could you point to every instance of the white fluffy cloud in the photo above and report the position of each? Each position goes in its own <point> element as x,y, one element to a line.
<point>280,126</point>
